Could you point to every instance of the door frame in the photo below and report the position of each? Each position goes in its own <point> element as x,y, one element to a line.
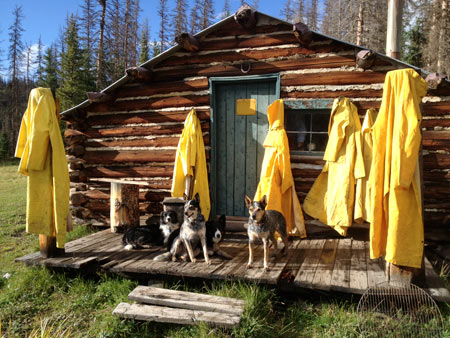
<point>213,81</point>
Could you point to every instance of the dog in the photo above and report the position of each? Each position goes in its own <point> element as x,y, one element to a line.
<point>192,231</point>
<point>152,234</point>
<point>262,224</point>
<point>215,230</point>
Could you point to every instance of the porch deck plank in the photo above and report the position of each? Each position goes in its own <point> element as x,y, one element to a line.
<point>324,270</point>
<point>340,280</point>
<point>358,270</point>
<point>306,274</point>
<point>375,269</point>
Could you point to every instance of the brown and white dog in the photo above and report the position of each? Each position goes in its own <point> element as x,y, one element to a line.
<point>262,224</point>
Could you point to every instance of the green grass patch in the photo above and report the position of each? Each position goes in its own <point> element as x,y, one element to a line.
<point>37,302</point>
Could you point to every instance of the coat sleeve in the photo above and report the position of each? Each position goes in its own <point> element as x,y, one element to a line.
<point>40,137</point>
<point>21,139</point>
<point>335,138</point>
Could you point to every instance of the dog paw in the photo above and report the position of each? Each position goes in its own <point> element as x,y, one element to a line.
<point>194,260</point>
<point>249,266</point>
<point>208,262</point>
<point>266,268</point>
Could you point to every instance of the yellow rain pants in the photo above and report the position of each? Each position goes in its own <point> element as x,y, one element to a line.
<point>191,160</point>
<point>331,198</point>
<point>362,195</point>
<point>276,181</point>
<point>396,230</point>
<point>43,160</point>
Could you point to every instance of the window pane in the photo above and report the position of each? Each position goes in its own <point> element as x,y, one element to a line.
<point>320,122</point>
<point>318,142</point>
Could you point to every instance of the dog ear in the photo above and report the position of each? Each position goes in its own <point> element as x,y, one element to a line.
<point>197,197</point>
<point>264,201</point>
<point>248,201</point>
<point>161,217</point>
<point>185,197</point>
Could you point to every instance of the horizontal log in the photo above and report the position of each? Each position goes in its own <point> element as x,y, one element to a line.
<point>250,42</point>
<point>162,87</point>
<point>76,150</point>
<point>365,58</point>
<point>102,206</point>
<point>72,136</point>
<point>78,165</point>
<point>188,42</point>
<point>78,176</point>
<point>138,131</point>
<point>437,205</point>
<point>156,103</point>
<point>435,161</point>
<point>129,171</point>
<point>258,67</point>
<point>333,78</point>
<point>436,176</point>
<point>141,142</point>
<point>436,108</point>
<point>366,93</point>
<point>305,173</point>
<point>250,55</point>
<point>233,29</point>
<point>436,144</point>
<point>151,184</point>
<point>305,159</point>
<point>107,157</point>
<point>153,117</point>
<point>149,196</point>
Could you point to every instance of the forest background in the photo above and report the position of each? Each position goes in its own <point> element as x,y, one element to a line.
<point>104,37</point>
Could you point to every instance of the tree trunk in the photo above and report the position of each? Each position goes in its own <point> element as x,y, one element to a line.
<point>100,46</point>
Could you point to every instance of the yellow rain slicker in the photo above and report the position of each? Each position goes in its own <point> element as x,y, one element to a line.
<point>396,230</point>
<point>331,198</point>
<point>191,160</point>
<point>276,181</point>
<point>362,195</point>
<point>43,160</point>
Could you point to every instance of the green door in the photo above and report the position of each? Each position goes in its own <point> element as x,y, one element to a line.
<point>238,142</point>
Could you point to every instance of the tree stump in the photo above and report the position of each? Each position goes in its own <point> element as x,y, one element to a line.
<point>124,206</point>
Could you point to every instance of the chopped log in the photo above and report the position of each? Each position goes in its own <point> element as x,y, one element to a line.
<point>365,58</point>
<point>436,81</point>
<point>83,213</point>
<point>188,42</point>
<point>78,198</point>
<point>78,176</point>
<point>302,33</point>
<point>95,97</point>
<point>73,136</point>
<point>139,73</point>
<point>124,206</point>
<point>76,149</point>
<point>245,17</point>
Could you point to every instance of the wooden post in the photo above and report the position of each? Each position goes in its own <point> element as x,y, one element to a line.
<point>394,28</point>
<point>47,246</point>
<point>124,206</point>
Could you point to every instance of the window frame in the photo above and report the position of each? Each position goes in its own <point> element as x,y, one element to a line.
<point>305,105</point>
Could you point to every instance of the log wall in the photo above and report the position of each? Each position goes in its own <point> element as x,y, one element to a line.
<point>135,137</point>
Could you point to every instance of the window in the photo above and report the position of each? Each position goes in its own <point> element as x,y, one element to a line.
<point>306,124</point>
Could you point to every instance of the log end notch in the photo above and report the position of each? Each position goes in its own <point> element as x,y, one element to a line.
<point>302,33</point>
<point>98,97</point>
<point>139,74</point>
<point>245,17</point>
<point>365,59</point>
<point>188,42</point>
<point>437,81</point>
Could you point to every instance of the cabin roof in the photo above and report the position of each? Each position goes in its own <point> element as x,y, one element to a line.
<point>169,52</point>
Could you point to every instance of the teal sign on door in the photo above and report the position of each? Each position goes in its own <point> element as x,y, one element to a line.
<point>239,142</point>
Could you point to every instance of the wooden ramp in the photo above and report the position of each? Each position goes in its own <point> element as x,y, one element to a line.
<point>180,307</point>
<point>341,264</point>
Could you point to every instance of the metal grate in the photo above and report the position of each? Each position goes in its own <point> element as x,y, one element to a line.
<point>392,309</point>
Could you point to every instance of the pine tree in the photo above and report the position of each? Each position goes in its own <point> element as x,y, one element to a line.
<point>414,42</point>
<point>39,61</point>
<point>144,48</point>
<point>28,62</point>
<point>255,4</point>
<point>162,12</point>
<point>180,18</point>
<point>287,12</point>
<point>50,69</point>
<point>155,49</point>
<point>226,10</point>
<point>73,86</point>
<point>113,51</point>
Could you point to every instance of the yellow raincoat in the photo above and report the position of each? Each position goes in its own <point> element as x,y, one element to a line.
<point>43,160</point>
<point>397,229</point>
<point>362,195</point>
<point>276,181</point>
<point>191,160</point>
<point>331,198</point>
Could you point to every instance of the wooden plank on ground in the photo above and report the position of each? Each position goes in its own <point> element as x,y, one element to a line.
<point>340,280</point>
<point>187,300</point>
<point>305,275</point>
<point>434,285</point>
<point>375,268</point>
<point>172,315</point>
<point>358,268</point>
<point>324,271</point>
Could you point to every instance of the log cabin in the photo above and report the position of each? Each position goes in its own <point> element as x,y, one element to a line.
<point>131,129</point>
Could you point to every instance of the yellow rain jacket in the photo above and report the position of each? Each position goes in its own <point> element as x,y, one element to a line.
<point>331,198</point>
<point>191,160</point>
<point>276,181</point>
<point>362,195</point>
<point>43,160</point>
<point>396,230</point>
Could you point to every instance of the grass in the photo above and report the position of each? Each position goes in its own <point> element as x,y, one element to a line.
<point>37,302</point>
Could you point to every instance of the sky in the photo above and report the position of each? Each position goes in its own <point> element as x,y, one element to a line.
<point>46,18</point>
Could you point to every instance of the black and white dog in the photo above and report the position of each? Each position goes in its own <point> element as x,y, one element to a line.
<point>152,234</point>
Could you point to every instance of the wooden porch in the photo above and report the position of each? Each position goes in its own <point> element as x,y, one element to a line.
<point>327,264</point>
